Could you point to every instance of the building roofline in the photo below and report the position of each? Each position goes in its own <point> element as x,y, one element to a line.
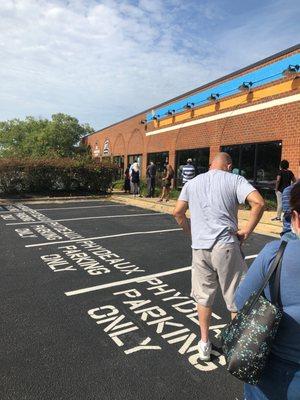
<point>206,85</point>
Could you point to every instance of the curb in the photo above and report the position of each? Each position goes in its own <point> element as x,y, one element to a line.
<point>144,203</point>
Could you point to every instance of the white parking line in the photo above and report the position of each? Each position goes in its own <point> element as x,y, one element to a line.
<point>77,208</point>
<point>103,237</point>
<point>62,208</point>
<point>10,212</point>
<point>85,218</point>
<point>127,281</point>
<point>135,280</point>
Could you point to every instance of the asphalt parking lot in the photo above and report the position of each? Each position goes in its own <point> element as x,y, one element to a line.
<point>95,305</point>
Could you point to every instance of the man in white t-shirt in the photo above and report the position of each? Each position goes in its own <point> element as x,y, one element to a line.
<point>213,199</point>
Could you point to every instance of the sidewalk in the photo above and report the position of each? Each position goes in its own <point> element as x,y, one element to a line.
<point>265,226</point>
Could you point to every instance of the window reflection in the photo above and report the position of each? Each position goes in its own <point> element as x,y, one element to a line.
<point>257,162</point>
<point>135,157</point>
<point>200,160</point>
<point>160,159</point>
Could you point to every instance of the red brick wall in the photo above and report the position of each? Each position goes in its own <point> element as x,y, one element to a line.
<point>277,123</point>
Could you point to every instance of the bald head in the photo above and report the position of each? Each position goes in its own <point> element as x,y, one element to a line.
<point>222,161</point>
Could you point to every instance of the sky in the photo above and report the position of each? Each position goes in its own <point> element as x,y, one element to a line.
<point>103,61</point>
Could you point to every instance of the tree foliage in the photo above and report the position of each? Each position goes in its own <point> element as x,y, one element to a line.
<point>58,137</point>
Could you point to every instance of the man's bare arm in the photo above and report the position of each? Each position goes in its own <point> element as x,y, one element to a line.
<point>179,214</point>
<point>277,183</point>
<point>257,205</point>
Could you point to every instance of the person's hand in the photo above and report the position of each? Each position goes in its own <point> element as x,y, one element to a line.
<point>243,234</point>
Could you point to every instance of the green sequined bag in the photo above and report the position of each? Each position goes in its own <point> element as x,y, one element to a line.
<point>247,339</point>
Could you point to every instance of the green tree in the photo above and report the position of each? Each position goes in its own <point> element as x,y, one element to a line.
<point>58,137</point>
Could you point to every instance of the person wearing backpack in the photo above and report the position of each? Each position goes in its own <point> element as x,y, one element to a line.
<point>281,377</point>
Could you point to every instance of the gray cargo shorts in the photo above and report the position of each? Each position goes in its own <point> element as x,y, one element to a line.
<point>222,265</point>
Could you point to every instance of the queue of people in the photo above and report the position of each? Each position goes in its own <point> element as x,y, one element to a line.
<point>132,178</point>
<point>213,199</point>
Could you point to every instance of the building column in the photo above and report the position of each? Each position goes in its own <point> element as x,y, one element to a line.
<point>144,164</point>
<point>213,151</point>
<point>291,152</point>
<point>172,158</point>
<point>125,161</point>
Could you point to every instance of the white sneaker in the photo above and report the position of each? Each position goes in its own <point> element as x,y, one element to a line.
<point>204,351</point>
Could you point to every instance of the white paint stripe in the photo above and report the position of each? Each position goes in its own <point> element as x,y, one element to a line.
<point>84,218</point>
<point>11,212</point>
<point>127,281</point>
<point>134,280</point>
<point>229,114</point>
<point>64,208</point>
<point>78,208</point>
<point>103,237</point>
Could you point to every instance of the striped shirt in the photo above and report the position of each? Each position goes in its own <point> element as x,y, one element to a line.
<point>188,173</point>
<point>286,195</point>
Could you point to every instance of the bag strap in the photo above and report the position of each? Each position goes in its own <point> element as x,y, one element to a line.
<point>275,264</point>
<point>275,293</point>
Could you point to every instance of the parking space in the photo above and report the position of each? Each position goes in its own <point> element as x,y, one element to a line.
<point>99,307</point>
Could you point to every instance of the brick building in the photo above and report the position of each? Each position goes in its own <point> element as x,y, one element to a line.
<point>253,114</point>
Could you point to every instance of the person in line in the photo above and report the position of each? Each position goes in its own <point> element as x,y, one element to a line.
<point>284,179</point>
<point>281,377</point>
<point>127,180</point>
<point>130,173</point>
<point>188,171</point>
<point>213,199</point>
<point>166,182</point>
<point>286,219</point>
<point>151,174</point>
<point>135,178</point>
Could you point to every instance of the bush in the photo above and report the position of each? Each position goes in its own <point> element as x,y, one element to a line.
<point>54,176</point>
<point>174,193</point>
<point>119,184</point>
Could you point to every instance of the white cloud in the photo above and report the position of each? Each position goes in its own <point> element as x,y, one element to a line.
<point>105,60</point>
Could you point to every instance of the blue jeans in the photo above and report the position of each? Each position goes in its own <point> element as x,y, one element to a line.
<point>280,381</point>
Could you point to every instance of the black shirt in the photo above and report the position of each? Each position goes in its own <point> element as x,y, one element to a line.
<point>135,176</point>
<point>151,171</point>
<point>286,178</point>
